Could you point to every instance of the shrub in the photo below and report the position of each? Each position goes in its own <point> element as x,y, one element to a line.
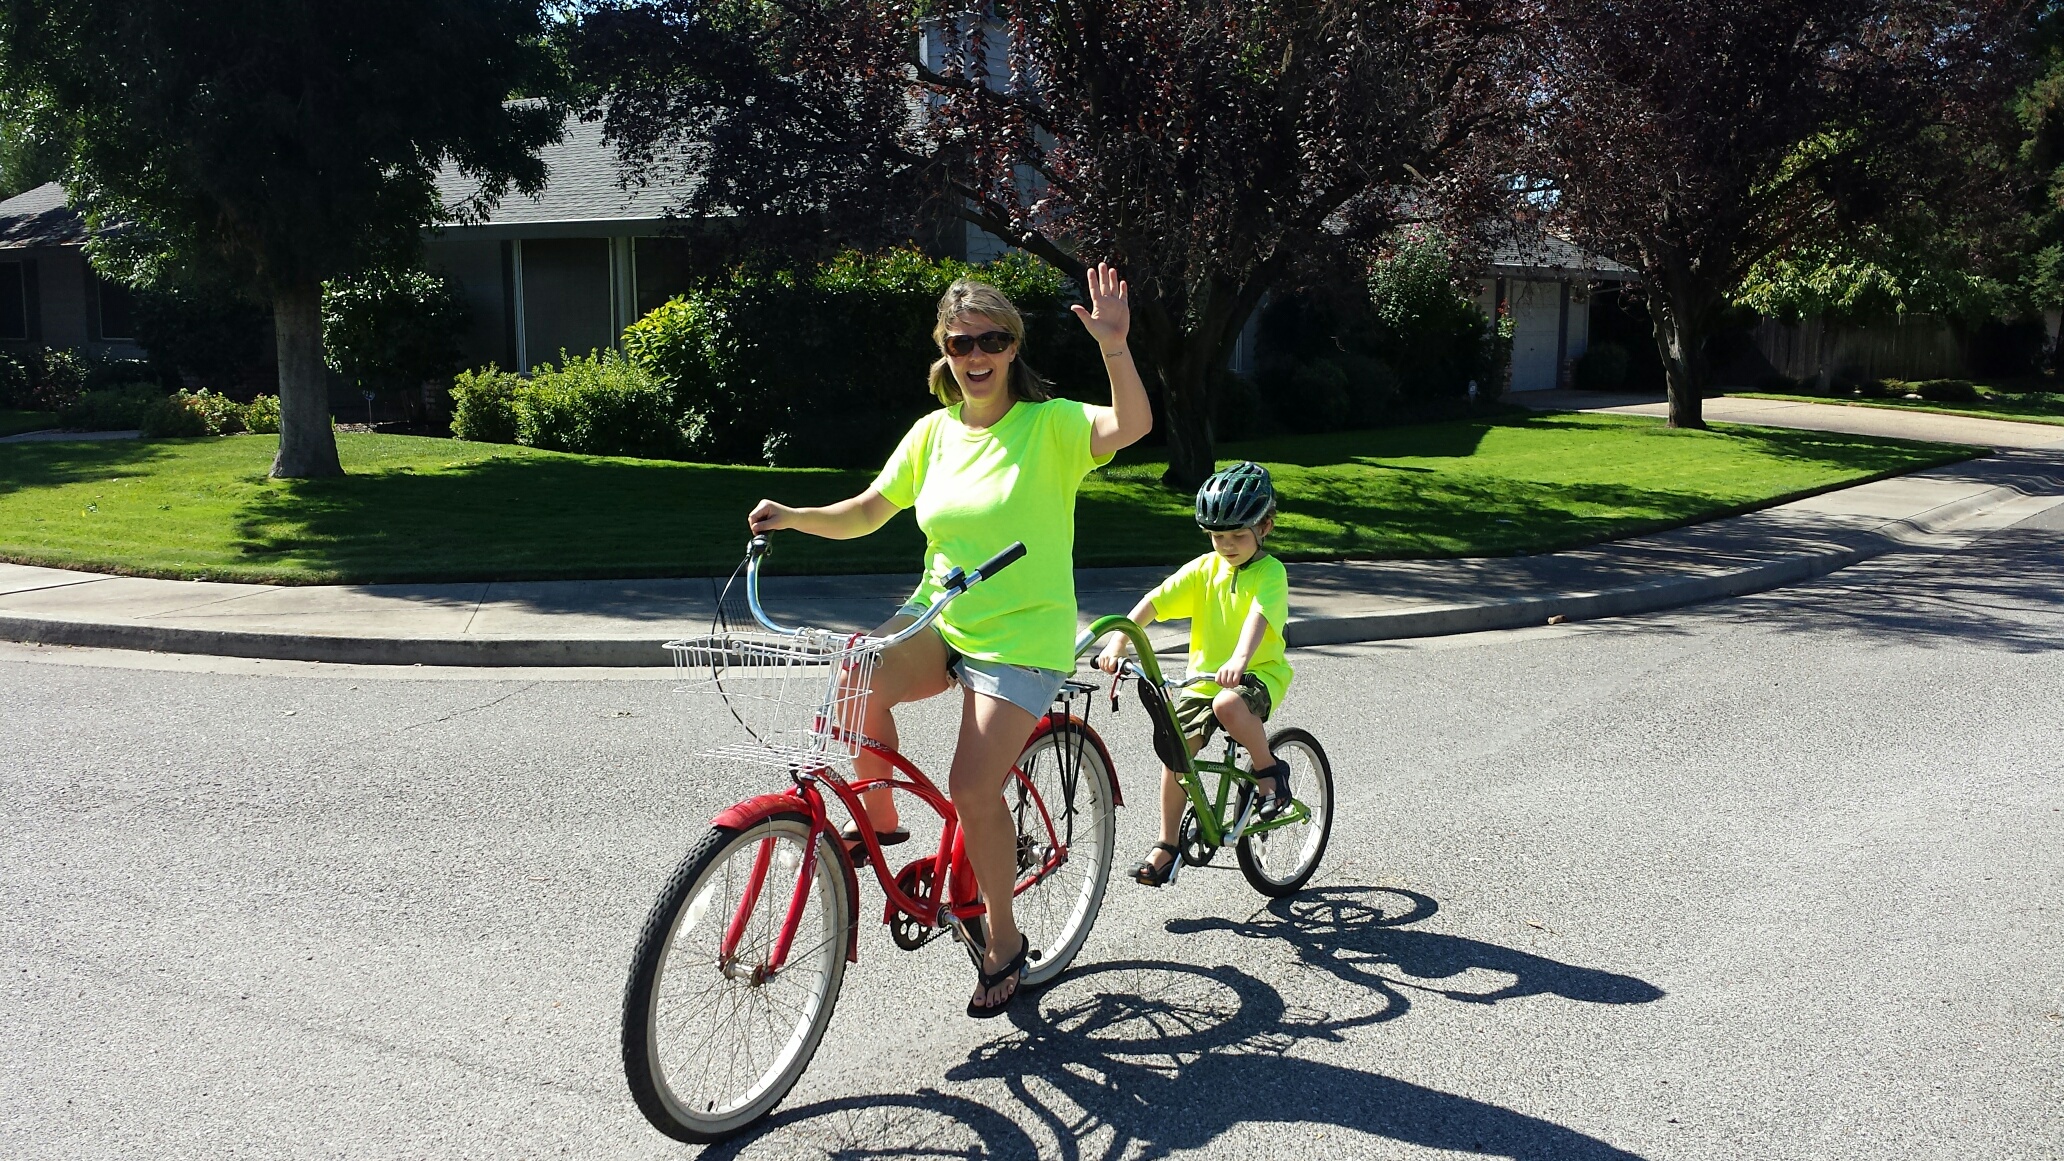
<point>261,415</point>
<point>601,405</point>
<point>484,405</point>
<point>42,378</point>
<point>194,413</point>
<point>826,366</point>
<point>114,409</point>
<point>1948,390</point>
<point>1436,340</point>
<point>174,418</point>
<point>1602,368</point>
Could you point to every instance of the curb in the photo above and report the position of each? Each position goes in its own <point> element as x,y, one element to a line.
<point>1390,625</point>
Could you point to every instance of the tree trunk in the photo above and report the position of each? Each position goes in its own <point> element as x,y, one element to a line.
<point>1186,392</point>
<point>1681,342</point>
<point>307,443</point>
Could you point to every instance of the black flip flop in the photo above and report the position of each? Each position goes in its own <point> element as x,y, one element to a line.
<point>1016,967</point>
<point>857,850</point>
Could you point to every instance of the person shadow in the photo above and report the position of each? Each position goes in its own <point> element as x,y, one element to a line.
<point>1145,1058</point>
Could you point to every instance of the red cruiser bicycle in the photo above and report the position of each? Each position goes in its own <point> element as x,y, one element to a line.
<point>739,963</point>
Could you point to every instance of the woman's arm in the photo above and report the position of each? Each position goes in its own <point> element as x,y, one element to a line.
<point>856,516</point>
<point>1108,319</point>
<point>1251,632</point>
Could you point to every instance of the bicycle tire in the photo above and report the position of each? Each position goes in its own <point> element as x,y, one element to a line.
<point>664,1016</point>
<point>1279,862</point>
<point>1057,912</point>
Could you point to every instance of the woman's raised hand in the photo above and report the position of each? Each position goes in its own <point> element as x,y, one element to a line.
<point>1109,314</point>
<point>767,516</point>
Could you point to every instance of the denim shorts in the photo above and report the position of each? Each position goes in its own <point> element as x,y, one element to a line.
<point>1028,687</point>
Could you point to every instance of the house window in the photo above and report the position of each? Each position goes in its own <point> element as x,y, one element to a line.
<point>14,302</point>
<point>117,310</point>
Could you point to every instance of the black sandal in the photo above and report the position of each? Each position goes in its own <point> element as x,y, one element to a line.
<point>1277,799</point>
<point>857,850</point>
<point>1149,875</point>
<point>1015,969</point>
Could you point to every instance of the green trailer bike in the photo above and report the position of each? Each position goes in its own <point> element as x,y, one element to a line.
<point>1278,855</point>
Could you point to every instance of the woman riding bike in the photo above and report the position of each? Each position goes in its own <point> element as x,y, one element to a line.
<point>1000,461</point>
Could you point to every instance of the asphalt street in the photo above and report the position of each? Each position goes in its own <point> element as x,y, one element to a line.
<point>1776,877</point>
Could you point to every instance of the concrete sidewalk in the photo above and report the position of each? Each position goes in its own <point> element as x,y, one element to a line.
<point>620,623</point>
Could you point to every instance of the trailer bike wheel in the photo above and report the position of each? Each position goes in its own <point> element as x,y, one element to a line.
<point>712,1043</point>
<point>1279,861</point>
<point>1064,771</point>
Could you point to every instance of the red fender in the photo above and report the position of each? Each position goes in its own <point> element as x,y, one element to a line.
<point>1046,726</point>
<point>753,811</point>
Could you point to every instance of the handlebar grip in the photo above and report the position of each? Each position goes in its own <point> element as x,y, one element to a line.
<point>1002,560</point>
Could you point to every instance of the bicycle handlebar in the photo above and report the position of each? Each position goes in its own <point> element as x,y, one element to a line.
<point>956,583</point>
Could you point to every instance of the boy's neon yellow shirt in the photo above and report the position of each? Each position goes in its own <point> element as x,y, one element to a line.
<point>1216,597</point>
<point>978,489</point>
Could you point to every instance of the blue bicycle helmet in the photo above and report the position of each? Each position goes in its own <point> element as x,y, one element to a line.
<point>1239,497</point>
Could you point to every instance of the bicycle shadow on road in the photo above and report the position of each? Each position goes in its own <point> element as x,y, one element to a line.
<point>1142,1059</point>
<point>1350,933</point>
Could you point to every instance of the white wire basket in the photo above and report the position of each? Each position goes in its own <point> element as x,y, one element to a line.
<point>801,699</point>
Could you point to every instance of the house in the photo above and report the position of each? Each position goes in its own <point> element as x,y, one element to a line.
<point>49,295</point>
<point>568,269</point>
<point>1545,283</point>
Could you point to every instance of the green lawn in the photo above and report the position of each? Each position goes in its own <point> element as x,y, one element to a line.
<point>436,509</point>
<point>1992,403</point>
<point>16,422</point>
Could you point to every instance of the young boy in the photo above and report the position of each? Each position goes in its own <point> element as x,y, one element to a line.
<point>1236,598</point>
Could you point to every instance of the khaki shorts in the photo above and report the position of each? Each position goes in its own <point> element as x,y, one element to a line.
<point>1193,708</point>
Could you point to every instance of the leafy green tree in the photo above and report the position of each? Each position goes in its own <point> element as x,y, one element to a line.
<point>28,158</point>
<point>279,143</point>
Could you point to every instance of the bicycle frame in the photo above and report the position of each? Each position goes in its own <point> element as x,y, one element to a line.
<point>934,900</point>
<point>1209,815</point>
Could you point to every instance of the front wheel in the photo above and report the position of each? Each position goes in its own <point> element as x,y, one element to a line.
<point>1066,818</point>
<point>712,1041</point>
<point>1279,861</point>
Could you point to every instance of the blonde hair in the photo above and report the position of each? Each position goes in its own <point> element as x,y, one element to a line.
<point>967,296</point>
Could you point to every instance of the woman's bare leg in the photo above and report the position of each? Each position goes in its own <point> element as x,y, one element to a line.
<point>911,671</point>
<point>992,735</point>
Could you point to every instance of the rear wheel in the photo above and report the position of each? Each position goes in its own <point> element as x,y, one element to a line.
<point>1279,861</point>
<point>712,1043</point>
<point>1072,837</point>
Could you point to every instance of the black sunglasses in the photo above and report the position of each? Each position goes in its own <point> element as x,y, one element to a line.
<point>991,342</point>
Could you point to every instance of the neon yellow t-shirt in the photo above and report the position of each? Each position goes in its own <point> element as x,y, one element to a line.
<point>977,490</point>
<point>1215,598</point>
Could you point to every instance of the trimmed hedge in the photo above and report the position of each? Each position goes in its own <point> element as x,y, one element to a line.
<point>112,409</point>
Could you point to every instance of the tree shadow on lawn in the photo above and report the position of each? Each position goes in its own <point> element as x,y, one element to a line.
<point>543,517</point>
<point>56,463</point>
<point>1143,1059</point>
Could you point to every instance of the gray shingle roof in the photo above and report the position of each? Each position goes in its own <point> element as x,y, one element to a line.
<point>580,189</point>
<point>1534,253</point>
<point>39,218</point>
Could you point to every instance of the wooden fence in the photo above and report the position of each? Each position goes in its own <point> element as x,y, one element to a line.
<point>1916,347</point>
